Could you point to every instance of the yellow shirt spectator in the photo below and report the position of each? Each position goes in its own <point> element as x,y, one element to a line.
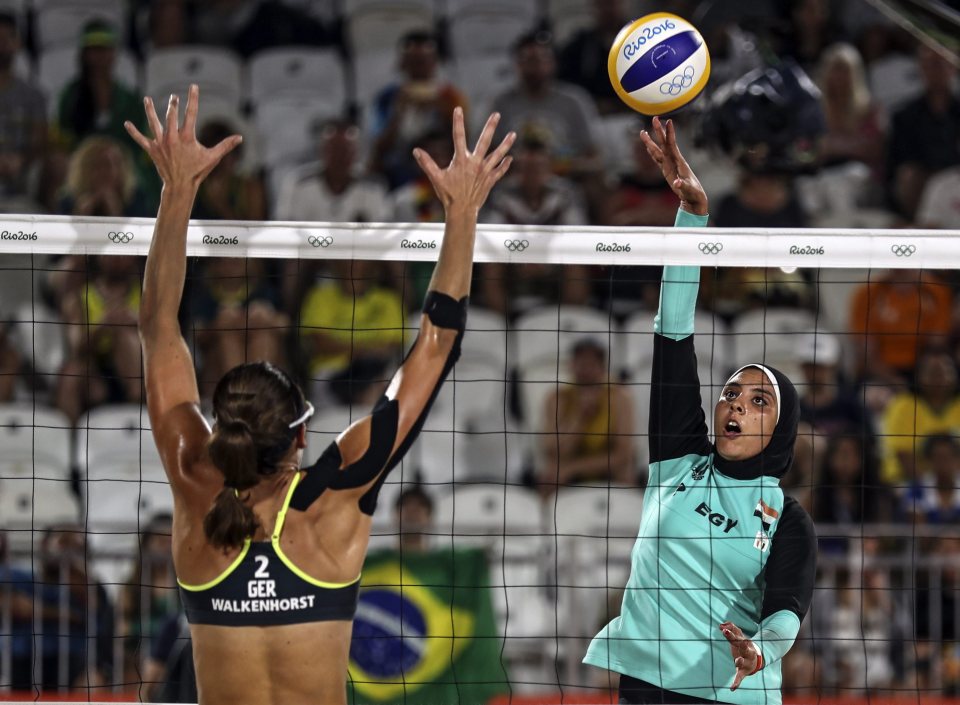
<point>359,323</point>
<point>907,422</point>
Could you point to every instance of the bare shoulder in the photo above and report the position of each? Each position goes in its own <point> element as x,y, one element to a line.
<point>181,435</point>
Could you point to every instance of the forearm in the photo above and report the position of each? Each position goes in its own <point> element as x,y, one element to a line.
<point>678,290</point>
<point>166,267</point>
<point>776,635</point>
<point>452,274</point>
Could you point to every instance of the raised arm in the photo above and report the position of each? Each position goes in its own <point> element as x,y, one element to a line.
<point>677,423</point>
<point>173,401</point>
<point>362,456</point>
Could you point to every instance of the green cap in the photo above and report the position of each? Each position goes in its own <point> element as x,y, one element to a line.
<point>98,33</point>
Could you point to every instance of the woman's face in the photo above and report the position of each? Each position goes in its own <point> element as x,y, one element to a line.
<point>745,415</point>
<point>106,169</point>
<point>845,462</point>
<point>839,78</point>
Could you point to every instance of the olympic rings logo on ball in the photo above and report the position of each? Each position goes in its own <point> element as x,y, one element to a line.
<point>711,248</point>
<point>516,245</point>
<point>903,250</point>
<point>324,241</point>
<point>679,82</point>
<point>120,238</point>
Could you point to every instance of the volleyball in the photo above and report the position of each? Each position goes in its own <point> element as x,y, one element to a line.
<point>658,63</point>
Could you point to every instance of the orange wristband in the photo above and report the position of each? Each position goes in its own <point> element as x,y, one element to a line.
<point>759,658</point>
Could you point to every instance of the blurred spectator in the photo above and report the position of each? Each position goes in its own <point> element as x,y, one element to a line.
<point>587,426</point>
<point>95,103</point>
<point>583,61</point>
<point>892,318</point>
<point>827,408</point>
<point>640,198</point>
<point>237,317</point>
<point>936,610</point>
<point>101,181</point>
<point>16,600</point>
<point>11,364</point>
<point>935,497</point>
<point>168,675</point>
<point>861,632</point>
<point>167,25</point>
<point>228,193</point>
<point>414,517</point>
<point>827,405</point>
<point>23,122</point>
<point>763,199</point>
<point>402,112</point>
<point>249,26</point>
<point>533,195</point>
<point>856,126</point>
<point>924,134</point>
<point>934,407</point>
<point>74,605</point>
<point>563,115</point>
<point>350,315</point>
<point>329,190</point>
<point>940,204</point>
<point>810,27</point>
<point>848,489</point>
<point>149,596</point>
<point>417,202</point>
<point>103,358</point>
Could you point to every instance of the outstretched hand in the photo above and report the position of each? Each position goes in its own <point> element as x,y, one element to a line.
<point>745,657</point>
<point>174,149</point>
<point>467,181</point>
<point>675,169</point>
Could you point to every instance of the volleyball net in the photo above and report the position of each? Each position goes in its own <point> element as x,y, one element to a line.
<point>502,543</point>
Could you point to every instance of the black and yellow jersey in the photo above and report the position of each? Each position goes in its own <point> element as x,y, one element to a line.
<point>263,587</point>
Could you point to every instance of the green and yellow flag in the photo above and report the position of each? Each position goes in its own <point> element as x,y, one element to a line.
<point>424,631</point>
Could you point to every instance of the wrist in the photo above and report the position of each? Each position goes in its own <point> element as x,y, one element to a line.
<point>760,662</point>
<point>700,208</point>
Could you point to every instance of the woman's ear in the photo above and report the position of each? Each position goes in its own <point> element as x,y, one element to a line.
<point>302,436</point>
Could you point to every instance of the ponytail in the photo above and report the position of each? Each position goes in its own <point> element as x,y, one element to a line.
<point>232,449</point>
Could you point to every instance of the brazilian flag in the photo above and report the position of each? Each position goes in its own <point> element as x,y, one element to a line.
<point>424,631</point>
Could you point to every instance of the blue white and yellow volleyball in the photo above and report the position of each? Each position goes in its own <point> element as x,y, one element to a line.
<point>658,63</point>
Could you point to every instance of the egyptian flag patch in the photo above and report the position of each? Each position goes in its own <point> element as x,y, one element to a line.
<point>767,514</point>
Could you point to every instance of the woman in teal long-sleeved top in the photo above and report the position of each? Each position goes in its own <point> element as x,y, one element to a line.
<point>723,568</point>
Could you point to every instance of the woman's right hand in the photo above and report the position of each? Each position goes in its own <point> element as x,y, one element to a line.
<point>676,171</point>
<point>467,181</point>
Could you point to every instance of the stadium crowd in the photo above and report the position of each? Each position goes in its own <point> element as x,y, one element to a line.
<point>880,395</point>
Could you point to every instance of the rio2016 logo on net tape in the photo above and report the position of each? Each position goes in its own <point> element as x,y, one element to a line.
<point>658,63</point>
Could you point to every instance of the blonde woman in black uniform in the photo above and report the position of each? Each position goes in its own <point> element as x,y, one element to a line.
<point>268,555</point>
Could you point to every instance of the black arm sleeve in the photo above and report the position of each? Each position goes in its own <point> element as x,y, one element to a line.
<point>791,570</point>
<point>678,426</point>
<point>380,458</point>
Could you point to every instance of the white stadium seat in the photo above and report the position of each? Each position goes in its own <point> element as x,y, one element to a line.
<point>567,17</point>
<point>488,27</point>
<point>115,434</point>
<point>35,442</point>
<point>59,23</point>
<point>287,129</point>
<point>770,336</point>
<point>372,71</point>
<point>218,73</point>
<point>297,73</point>
<point>482,79</point>
<point>29,505</point>
<point>378,25</point>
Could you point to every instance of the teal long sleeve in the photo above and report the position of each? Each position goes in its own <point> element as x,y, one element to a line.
<point>776,635</point>
<point>678,290</point>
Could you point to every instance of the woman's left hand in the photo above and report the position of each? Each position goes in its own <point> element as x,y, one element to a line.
<point>744,653</point>
<point>179,157</point>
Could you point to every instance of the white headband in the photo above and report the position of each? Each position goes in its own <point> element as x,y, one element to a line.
<point>309,412</point>
<point>770,376</point>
